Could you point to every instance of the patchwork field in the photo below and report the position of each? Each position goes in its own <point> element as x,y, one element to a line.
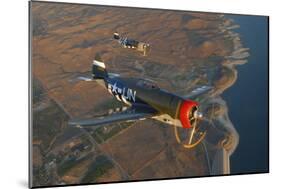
<point>188,49</point>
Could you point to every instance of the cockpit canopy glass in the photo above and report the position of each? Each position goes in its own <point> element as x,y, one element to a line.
<point>148,84</point>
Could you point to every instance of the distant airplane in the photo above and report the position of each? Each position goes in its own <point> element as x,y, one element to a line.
<point>131,43</point>
<point>146,100</point>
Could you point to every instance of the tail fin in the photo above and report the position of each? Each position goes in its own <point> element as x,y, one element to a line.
<point>116,36</point>
<point>98,68</point>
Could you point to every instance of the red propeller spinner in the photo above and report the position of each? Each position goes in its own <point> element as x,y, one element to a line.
<point>188,113</point>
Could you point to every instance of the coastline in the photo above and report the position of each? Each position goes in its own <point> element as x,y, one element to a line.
<point>201,49</point>
<point>246,98</point>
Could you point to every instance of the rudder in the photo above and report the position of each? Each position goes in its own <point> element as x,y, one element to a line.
<point>98,68</point>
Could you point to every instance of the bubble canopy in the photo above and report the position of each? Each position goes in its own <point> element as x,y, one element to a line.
<point>146,83</point>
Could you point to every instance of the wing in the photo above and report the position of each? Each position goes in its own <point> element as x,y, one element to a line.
<point>198,91</point>
<point>132,114</point>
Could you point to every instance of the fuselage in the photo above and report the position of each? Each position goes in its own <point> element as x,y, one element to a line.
<point>143,92</point>
<point>132,44</point>
<point>134,91</point>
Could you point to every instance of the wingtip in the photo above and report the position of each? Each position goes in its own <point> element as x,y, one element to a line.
<point>72,123</point>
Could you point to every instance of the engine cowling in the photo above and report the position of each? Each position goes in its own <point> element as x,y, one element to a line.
<point>187,112</point>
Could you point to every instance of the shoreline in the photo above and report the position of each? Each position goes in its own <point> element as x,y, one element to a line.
<point>239,56</point>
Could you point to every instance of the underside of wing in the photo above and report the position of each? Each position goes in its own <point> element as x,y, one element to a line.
<point>198,91</point>
<point>134,113</point>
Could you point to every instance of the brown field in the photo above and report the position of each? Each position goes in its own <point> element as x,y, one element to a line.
<point>187,50</point>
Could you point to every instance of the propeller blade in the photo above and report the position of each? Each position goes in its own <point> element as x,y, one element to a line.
<point>192,132</point>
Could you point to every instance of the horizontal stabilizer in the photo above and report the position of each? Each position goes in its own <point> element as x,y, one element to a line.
<point>85,78</point>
